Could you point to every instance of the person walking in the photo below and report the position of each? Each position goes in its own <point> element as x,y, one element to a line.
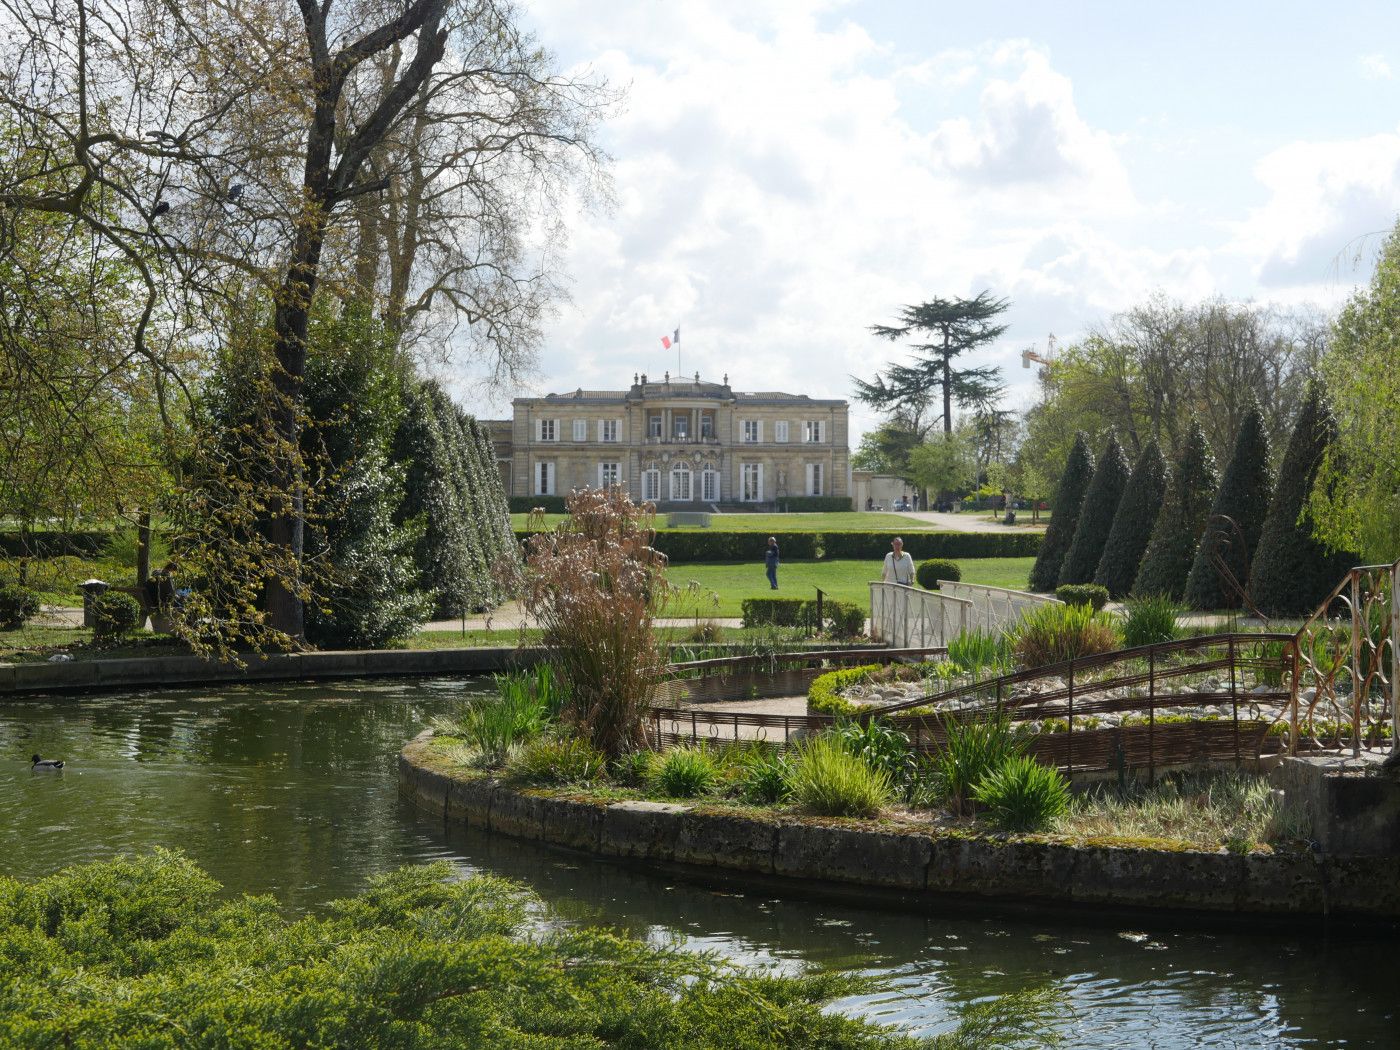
<point>770,561</point>
<point>899,566</point>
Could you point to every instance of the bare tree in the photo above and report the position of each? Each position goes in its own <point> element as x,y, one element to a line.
<point>223,147</point>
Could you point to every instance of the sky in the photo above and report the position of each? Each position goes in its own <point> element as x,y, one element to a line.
<point>789,172</point>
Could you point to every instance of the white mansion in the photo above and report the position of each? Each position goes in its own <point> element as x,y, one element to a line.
<point>676,441</point>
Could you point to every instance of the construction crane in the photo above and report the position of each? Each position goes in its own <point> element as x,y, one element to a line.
<point>1028,355</point>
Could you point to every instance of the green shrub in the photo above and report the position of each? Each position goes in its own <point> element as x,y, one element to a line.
<point>764,780</point>
<point>1069,497</point>
<point>684,772</point>
<point>710,546</point>
<point>1090,594</point>
<point>882,747</point>
<point>978,650</point>
<point>1293,571</point>
<point>814,504</point>
<point>1022,795</point>
<point>17,604</point>
<point>934,569</point>
<point>1096,515</point>
<point>970,750</point>
<point>776,612</point>
<point>1132,523</point>
<point>1149,621</point>
<point>549,761</point>
<point>839,619</point>
<point>828,780</point>
<point>114,615</point>
<point>1182,520</point>
<point>1053,633</point>
<point>824,694</point>
<point>1236,519</point>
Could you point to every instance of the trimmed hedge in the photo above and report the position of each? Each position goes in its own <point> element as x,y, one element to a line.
<point>1083,594</point>
<point>776,612</point>
<point>1132,523</point>
<point>1179,525</point>
<point>53,544</point>
<point>114,615</point>
<point>1243,499</point>
<point>525,504</point>
<point>1096,516</point>
<point>711,546</point>
<point>1069,498</point>
<point>930,572</point>
<point>824,694</point>
<point>814,504</point>
<point>839,619</point>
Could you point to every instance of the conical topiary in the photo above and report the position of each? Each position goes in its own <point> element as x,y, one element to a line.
<point>1096,515</point>
<point>1132,523</point>
<point>1069,497</point>
<point>1292,572</point>
<point>1236,520</point>
<point>1178,528</point>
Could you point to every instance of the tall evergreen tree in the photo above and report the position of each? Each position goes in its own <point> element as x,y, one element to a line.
<point>1178,528</point>
<point>1292,571</point>
<point>1064,520</point>
<point>1096,516</point>
<point>1132,523</point>
<point>1236,520</point>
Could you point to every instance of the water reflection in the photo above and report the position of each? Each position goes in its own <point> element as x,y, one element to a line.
<point>291,790</point>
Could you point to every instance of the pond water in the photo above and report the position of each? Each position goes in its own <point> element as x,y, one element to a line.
<point>292,790</point>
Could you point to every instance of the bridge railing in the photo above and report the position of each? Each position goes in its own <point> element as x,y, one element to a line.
<point>995,608</point>
<point>904,617</point>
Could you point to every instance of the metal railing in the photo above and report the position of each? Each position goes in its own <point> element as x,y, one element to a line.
<point>1348,664</point>
<point>904,617</point>
<point>996,608</point>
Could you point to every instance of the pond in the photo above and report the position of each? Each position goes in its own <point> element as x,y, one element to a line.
<point>292,790</point>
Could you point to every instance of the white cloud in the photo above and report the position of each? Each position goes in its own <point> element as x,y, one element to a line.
<point>1374,67</point>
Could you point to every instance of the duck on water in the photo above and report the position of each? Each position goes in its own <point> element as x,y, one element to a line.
<point>45,765</point>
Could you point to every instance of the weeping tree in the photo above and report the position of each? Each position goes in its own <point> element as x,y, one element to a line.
<point>1064,520</point>
<point>1292,570</point>
<point>1132,523</point>
<point>1178,528</point>
<point>1220,573</point>
<point>1096,516</point>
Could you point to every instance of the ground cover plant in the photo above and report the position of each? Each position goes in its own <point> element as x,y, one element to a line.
<point>145,952</point>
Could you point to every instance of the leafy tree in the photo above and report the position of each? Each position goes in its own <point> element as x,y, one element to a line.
<point>1293,570</point>
<point>1178,528</point>
<point>954,327</point>
<point>369,594</point>
<point>1096,516</point>
<point>1355,503</point>
<point>886,449</point>
<point>1236,519</point>
<point>943,464</point>
<point>1069,498</point>
<point>1132,523</point>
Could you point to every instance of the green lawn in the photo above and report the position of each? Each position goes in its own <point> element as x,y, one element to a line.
<point>845,580</point>
<point>837,521</point>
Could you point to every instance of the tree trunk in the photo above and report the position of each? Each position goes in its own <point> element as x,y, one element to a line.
<point>143,548</point>
<point>947,387</point>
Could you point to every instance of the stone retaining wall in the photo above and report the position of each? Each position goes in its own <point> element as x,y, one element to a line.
<point>79,675</point>
<point>911,867</point>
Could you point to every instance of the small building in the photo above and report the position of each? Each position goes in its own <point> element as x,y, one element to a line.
<point>677,442</point>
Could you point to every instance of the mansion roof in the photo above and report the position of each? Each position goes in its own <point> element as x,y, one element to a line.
<point>643,390</point>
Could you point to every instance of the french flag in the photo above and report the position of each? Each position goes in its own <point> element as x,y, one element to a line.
<point>668,341</point>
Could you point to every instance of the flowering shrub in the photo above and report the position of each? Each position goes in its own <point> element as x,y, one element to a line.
<point>595,586</point>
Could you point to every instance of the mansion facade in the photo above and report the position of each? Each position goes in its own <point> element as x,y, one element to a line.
<point>676,442</point>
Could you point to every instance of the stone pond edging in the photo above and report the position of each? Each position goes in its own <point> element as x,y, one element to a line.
<point>910,868</point>
<point>157,671</point>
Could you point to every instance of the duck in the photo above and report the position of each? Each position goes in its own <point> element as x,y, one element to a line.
<point>45,764</point>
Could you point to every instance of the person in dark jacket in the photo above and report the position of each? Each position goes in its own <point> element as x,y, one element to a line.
<point>770,560</point>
